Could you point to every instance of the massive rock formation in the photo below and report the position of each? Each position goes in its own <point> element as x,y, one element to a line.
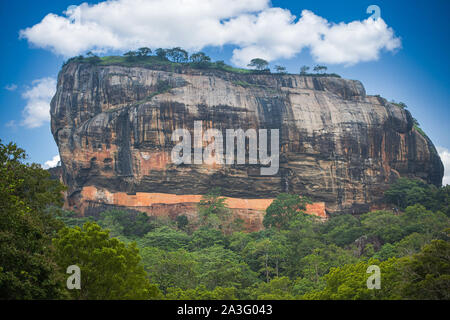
<point>339,146</point>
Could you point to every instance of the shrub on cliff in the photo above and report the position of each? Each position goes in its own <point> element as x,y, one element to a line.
<point>214,213</point>
<point>283,209</point>
<point>407,192</point>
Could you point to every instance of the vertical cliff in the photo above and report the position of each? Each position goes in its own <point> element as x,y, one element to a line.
<point>339,146</point>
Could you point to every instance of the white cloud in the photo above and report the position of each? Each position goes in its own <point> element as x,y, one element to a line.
<point>11,87</point>
<point>52,163</point>
<point>37,109</point>
<point>256,28</point>
<point>355,42</point>
<point>445,157</point>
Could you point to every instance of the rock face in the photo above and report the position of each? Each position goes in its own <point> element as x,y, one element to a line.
<point>338,146</point>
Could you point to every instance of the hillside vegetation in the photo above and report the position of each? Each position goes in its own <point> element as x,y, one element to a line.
<point>174,58</point>
<point>128,255</point>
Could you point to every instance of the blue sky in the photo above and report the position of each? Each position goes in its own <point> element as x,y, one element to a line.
<point>416,73</point>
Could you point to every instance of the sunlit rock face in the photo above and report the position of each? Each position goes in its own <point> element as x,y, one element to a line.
<point>113,126</point>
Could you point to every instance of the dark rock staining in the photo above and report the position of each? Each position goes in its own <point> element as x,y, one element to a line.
<point>113,127</point>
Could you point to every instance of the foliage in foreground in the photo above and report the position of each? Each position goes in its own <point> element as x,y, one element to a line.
<point>27,269</point>
<point>423,276</point>
<point>127,255</point>
<point>109,268</point>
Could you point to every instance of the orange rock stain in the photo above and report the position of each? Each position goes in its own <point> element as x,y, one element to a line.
<point>165,204</point>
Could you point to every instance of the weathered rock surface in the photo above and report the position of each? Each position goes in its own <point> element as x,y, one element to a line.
<point>339,146</point>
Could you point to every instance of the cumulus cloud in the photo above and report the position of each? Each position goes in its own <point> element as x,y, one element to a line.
<point>38,97</point>
<point>445,157</point>
<point>11,87</point>
<point>255,27</point>
<point>52,163</point>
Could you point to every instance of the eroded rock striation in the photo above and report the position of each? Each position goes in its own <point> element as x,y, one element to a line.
<point>338,145</point>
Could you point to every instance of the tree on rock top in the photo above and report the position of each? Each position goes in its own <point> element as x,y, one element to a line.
<point>258,64</point>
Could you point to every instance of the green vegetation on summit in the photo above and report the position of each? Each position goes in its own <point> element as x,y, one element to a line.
<point>178,57</point>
